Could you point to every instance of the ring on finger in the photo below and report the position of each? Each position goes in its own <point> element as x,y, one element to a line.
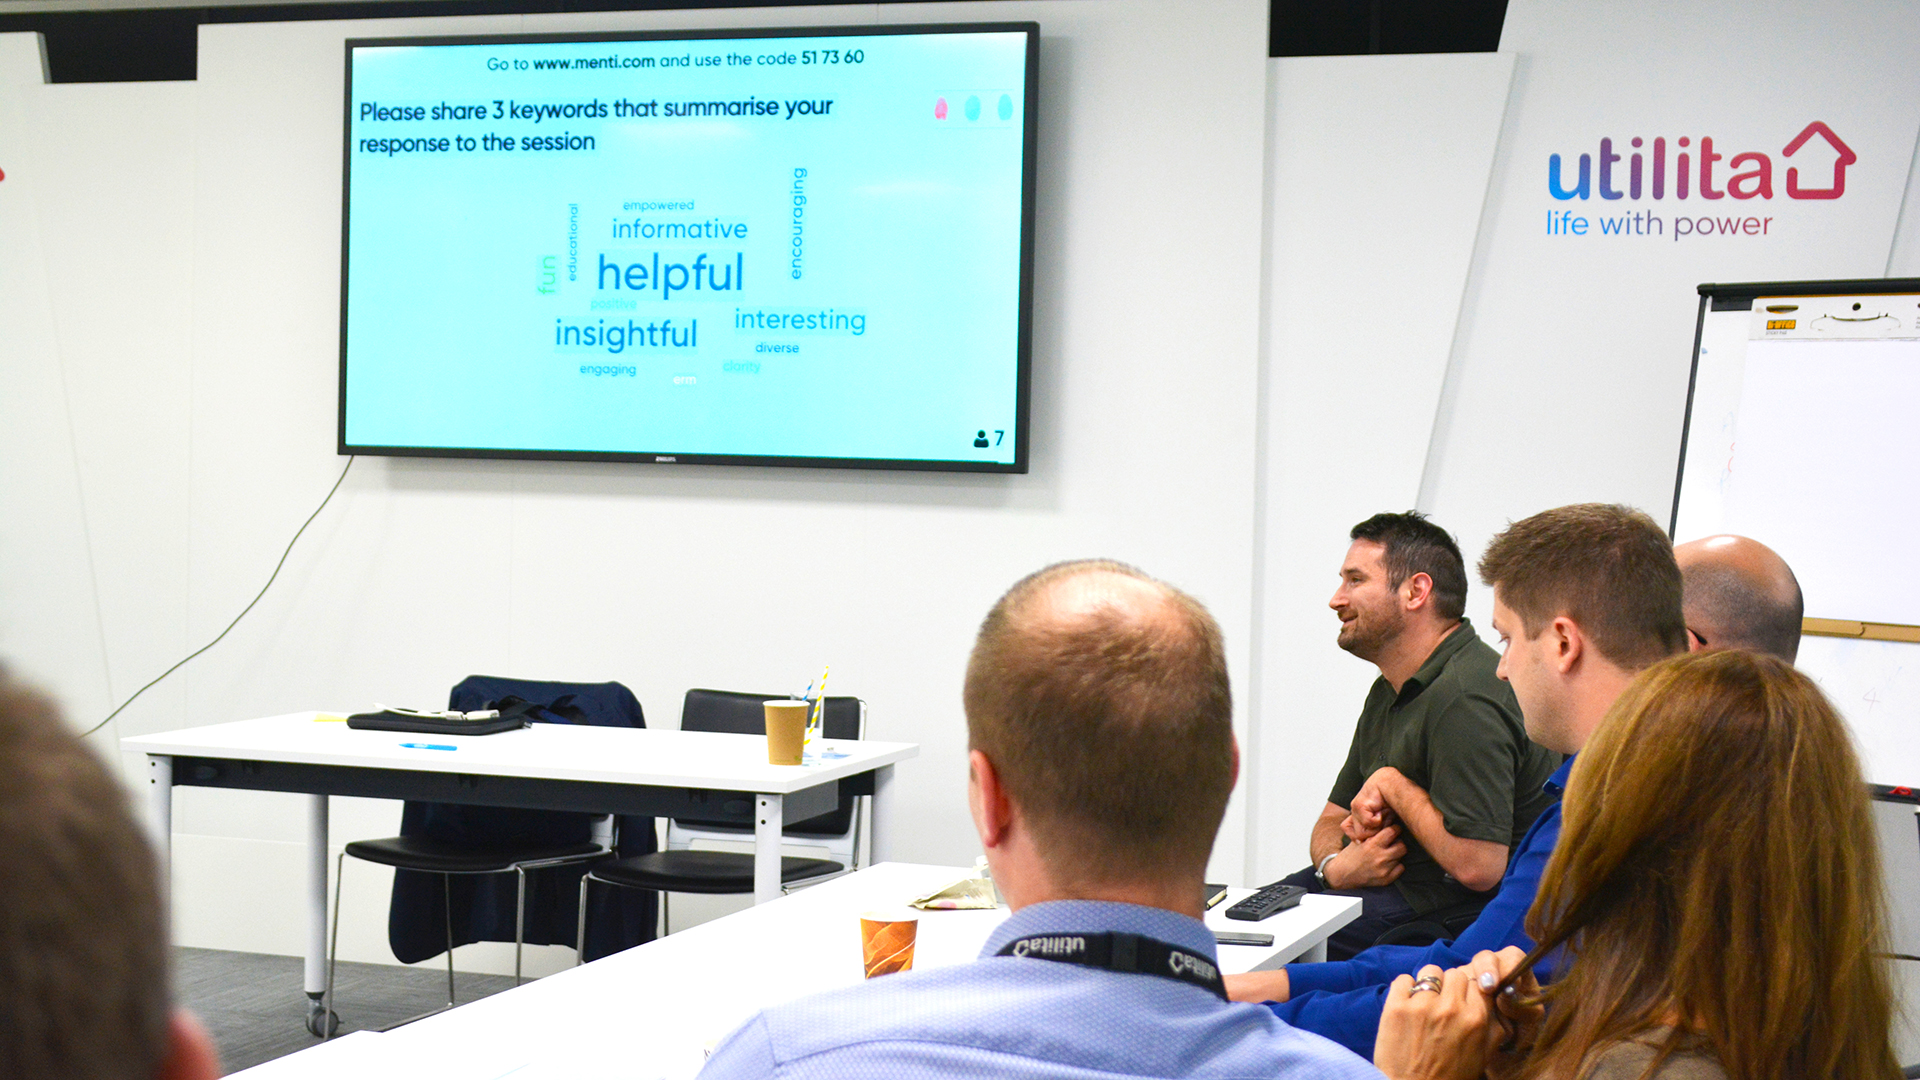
<point>1426,982</point>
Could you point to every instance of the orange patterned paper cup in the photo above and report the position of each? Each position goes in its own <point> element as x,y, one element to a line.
<point>886,941</point>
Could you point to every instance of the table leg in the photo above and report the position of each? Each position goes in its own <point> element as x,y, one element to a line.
<point>160,813</point>
<point>881,846</point>
<point>1316,954</point>
<point>769,823</point>
<point>316,973</point>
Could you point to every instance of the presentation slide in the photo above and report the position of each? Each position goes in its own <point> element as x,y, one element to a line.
<point>739,247</point>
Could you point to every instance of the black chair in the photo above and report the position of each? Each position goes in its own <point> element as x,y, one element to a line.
<point>442,897</point>
<point>1437,925</point>
<point>682,868</point>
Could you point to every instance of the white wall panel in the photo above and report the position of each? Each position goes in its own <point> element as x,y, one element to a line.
<point>23,58</point>
<point>118,258</point>
<point>1904,258</point>
<point>1377,170</point>
<point>50,628</point>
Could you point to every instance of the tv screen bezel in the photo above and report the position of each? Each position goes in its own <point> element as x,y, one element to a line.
<point>667,456</point>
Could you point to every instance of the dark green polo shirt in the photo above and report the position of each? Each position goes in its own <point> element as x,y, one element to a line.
<point>1454,729</point>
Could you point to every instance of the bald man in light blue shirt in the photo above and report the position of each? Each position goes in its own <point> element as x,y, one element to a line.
<point>1101,756</point>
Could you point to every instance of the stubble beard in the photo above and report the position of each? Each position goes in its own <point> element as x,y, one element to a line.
<point>1368,642</point>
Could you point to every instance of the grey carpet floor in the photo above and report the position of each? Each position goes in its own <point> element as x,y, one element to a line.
<point>254,1006</point>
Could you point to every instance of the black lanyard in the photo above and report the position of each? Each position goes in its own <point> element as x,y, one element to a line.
<point>1130,953</point>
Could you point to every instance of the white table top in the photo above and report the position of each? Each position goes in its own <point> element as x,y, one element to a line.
<point>656,1010</point>
<point>700,759</point>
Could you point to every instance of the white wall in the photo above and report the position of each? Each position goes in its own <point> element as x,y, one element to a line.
<point>202,408</point>
<point>1377,169</point>
<point>1903,257</point>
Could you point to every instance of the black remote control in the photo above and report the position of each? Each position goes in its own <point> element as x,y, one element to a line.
<point>1271,900</point>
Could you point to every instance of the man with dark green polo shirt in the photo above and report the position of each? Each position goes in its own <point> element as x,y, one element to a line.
<point>1441,780</point>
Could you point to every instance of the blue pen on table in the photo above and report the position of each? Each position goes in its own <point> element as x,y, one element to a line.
<point>427,746</point>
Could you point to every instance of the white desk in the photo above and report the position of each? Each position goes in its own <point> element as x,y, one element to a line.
<point>712,776</point>
<point>655,1010</point>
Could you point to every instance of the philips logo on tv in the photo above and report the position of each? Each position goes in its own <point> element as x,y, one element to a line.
<point>1687,168</point>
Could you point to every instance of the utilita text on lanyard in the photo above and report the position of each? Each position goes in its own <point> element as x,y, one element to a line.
<point>1130,953</point>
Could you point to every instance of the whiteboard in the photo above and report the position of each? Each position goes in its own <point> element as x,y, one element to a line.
<point>1802,433</point>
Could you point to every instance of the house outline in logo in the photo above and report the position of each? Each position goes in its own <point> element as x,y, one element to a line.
<point>1846,158</point>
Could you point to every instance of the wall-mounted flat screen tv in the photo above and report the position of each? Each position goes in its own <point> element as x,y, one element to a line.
<point>775,247</point>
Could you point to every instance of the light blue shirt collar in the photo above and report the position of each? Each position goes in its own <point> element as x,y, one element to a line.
<point>1103,917</point>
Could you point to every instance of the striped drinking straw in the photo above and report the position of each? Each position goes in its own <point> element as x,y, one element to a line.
<point>816,722</point>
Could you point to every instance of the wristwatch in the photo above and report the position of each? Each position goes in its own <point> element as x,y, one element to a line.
<point>1321,870</point>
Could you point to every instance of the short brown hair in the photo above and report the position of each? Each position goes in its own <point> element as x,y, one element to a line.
<point>1608,568</point>
<point>83,940</point>
<point>1718,863</point>
<point>1113,731</point>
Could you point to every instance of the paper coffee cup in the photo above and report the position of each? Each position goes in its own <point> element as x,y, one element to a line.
<point>886,941</point>
<point>786,730</point>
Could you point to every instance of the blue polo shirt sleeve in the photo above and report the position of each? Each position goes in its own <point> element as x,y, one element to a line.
<point>1343,1007</point>
<point>1342,1000</point>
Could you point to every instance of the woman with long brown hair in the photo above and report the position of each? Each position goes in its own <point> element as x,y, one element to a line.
<point>1716,891</point>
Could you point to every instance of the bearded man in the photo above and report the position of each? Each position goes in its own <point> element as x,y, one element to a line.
<point>1441,780</point>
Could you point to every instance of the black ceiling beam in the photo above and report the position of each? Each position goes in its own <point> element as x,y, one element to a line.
<point>146,45</point>
<point>1363,27</point>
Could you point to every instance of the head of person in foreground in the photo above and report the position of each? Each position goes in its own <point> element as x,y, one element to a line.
<point>84,953</point>
<point>1717,882</point>
<point>1100,738</point>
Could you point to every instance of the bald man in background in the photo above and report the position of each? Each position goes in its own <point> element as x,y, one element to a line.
<point>1738,593</point>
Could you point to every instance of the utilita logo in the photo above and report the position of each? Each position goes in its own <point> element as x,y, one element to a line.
<point>1692,170</point>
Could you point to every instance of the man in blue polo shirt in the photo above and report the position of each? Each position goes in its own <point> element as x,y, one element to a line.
<point>1101,753</point>
<point>1584,597</point>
